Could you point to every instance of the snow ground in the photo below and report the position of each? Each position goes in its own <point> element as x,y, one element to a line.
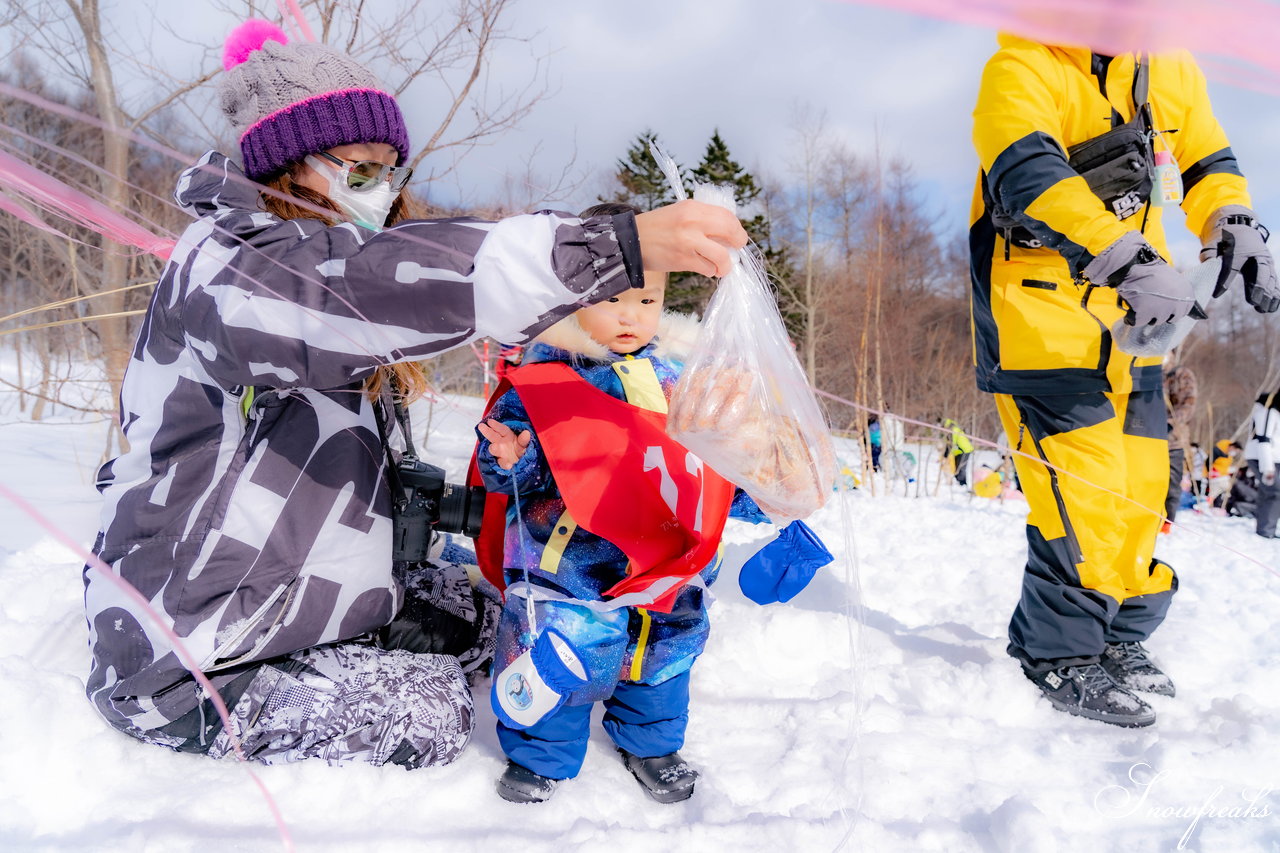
<point>908,729</point>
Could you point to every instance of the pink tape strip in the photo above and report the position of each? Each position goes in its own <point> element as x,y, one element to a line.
<point>188,660</point>
<point>11,205</point>
<point>53,195</point>
<point>1003,449</point>
<point>1243,30</point>
<point>290,8</point>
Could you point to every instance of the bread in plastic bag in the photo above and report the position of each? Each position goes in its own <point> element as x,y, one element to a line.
<point>743,403</point>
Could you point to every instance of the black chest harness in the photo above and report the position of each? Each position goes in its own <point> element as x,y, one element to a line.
<point>1118,165</point>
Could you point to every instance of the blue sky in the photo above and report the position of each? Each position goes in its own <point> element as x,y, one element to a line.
<point>888,80</point>
<point>899,81</point>
<point>745,67</point>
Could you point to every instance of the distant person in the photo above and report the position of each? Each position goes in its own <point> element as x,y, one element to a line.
<point>1241,500</point>
<point>1220,458</point>
<point>1226,457</point>
<point>1220,478</point>
<point>874,439</point>
<point>509,357</point>
<point>1199,471</point>
<point>1009,470</point>
<point>1180,401</point>
<point>958,449</point>
<point>1263,458</point>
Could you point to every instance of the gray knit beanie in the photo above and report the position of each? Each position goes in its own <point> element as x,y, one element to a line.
<point>290,100</point>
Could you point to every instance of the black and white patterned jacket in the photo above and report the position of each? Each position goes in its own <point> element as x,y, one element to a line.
<point>257,536</point>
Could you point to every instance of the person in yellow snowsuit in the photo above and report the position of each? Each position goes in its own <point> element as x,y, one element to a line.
<point>1065,241</point>
<point>958,450</point>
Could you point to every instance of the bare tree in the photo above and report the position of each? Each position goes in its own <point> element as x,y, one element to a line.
<point>48,267</point>
<point>880,300</point>
<point>433,54</point>
<point>803,293</point>
<point>531,188</point>
<point>815,222</point>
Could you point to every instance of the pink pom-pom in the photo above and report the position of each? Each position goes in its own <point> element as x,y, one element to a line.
<point>248,37</point>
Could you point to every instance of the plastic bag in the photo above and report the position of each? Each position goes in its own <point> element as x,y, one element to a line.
<point>1163,337</point>
<point>743,403</point>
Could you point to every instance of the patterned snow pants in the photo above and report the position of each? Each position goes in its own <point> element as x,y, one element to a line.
<point>385,700</point>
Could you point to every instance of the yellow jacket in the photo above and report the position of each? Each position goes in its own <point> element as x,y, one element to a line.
<point>958,441</point>
<point>1037,330</point>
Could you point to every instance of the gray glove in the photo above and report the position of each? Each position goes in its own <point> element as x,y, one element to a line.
<point>1154,291</point>
<point>1241,241</point>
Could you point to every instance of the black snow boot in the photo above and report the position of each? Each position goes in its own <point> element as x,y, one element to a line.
<point>666,778</point>
<point>519,784</point>
<point>1132,669</point>
<point>1090,691</point>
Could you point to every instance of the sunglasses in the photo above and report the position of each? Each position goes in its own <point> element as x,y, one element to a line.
<point>364,175</point>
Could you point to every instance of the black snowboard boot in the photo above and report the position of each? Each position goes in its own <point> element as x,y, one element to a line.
<point>519,784</point>
<point>1132,669</point>
<point>1090,691</point>
<point>666,778</point>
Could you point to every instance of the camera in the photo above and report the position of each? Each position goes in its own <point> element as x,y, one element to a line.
<point>427,502</point>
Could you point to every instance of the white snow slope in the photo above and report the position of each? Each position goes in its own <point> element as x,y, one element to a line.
<point>899,725</point>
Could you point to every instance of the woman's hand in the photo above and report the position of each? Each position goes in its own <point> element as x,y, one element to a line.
<point>689,235</point>
<point>504,445</point>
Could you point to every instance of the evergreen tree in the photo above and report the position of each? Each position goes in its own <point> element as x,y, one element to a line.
<point>719,167</point>
<point>640,180</point>
<point>691,292</point>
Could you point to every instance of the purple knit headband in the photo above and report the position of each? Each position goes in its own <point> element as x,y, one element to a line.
<point>321,122</point>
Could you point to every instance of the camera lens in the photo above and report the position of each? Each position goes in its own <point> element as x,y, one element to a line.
<point>461,509</point>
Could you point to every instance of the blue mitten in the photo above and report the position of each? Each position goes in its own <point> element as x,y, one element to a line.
<point>779,570</point>
<point>536,684</point>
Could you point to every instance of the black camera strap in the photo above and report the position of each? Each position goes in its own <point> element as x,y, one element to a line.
<point>421,499</point>
<point>389,399</point>
<point>402,418</point>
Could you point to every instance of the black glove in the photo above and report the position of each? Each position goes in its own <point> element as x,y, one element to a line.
<point>1154,291</point>
<point>1240,240</point>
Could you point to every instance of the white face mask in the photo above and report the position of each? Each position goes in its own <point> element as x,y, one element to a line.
<point>366,207</point>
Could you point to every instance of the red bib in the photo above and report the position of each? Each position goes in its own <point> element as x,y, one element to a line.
<point>621,478</point>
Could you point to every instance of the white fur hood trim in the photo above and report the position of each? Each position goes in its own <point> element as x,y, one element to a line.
<point>677,334</point>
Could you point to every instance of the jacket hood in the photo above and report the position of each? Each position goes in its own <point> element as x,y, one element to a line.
<point>1270,400</point>
<point>675,339</point>
<point>216,183</point>
<point>1079,56</point>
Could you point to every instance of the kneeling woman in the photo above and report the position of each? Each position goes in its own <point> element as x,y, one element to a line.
<point>252,509</point>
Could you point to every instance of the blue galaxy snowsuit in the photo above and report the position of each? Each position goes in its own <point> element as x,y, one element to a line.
<point>639,659</point>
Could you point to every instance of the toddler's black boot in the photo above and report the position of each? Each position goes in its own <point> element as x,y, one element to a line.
<point>666,778</point>
<point>519,784</point>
